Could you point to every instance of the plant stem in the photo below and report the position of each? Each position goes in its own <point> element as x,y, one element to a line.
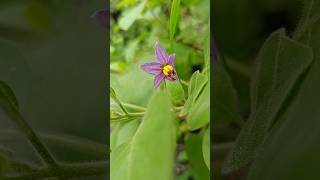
<point>127,117</point>
<point>185,83</point>
<point>133,106</point>
<point>24,127</point>
<point>65,171</point>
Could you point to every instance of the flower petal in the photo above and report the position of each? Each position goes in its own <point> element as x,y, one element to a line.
<point>161,55</point>
<point>158,79</point>
<point>152,68</point>
<point>171,59</point>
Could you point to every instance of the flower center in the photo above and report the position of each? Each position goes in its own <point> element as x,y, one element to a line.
<point>168,71</point>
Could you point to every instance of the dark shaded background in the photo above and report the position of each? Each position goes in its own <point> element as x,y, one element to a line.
<point>53,56</point>
<point>240,28</point>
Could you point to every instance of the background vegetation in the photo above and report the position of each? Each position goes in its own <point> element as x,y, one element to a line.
<point>52,73</point>
<point>266,107</point>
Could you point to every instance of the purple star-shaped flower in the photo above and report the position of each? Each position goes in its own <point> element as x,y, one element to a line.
<point>163,68</point>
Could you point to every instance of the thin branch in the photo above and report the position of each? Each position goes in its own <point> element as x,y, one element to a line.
<point>25,128</point>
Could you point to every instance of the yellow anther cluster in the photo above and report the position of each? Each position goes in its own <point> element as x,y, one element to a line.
<point>167,69</point>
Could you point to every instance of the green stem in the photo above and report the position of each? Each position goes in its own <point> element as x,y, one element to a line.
<point>182,82</point>
<point>65,171</point>
<point>122,107</point>
<point>127,117</point>
<point>136,107</point>
<point>24,127</point>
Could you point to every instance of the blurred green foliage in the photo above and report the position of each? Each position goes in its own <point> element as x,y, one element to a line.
<point>52,62</point>
<point>270,52</point>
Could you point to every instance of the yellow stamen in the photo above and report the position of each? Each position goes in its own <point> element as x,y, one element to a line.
<point>167,69</point>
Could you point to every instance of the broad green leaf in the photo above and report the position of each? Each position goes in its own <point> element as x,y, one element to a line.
<point>281,62</point>
<point>127,131</point>
<point>195,156</point>
<point>153,146</point>
<point>199,114</point>
<point>291,151</point>
<point>310,14</point>
<point>206,147</point>
<point>174,18</point>
<point>225,97</point>
<point>130,15</point>
<point>196,86</point>
<point>151,150</point>
<point>134,87</point>
<point>115,128</point>
<point>119,166</point>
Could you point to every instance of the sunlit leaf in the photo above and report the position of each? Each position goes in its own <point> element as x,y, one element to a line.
<point>152,148</point>
<point>174,17</point>
<point>206,147</point>
<point>129,16</point>
<point>140,83</point>
<point>199,114</point>
<point>196,86</point>
<point>195,156</point>
<point>176,91</point>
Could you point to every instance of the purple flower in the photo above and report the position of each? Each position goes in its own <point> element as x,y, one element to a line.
<point>163,68</point>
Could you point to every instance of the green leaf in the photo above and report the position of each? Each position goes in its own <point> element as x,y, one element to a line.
<point>130,15</point>
<point>174,17</point>
<point>196,86</point>
<point>310,14</point>
<point>176,91</point>
<point>206,147</point>
<point>293,143</point>
<point>152,148</point>
<point>199,114</point>
<point>225,97</point>
<point>195,156</point>
<point>140,83</point>
<point>281,62</point>
<point>119,162</point>
<point>126,132</point>
<point>131,50</point>
<point>115,128</point>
